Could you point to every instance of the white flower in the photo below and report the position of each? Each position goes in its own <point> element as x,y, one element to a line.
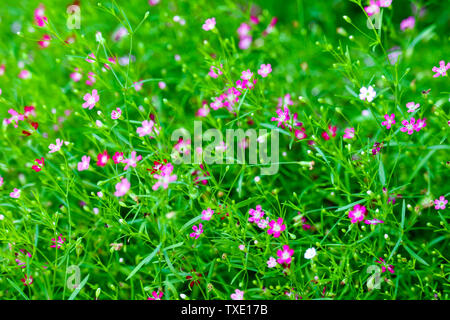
<point>367,93</point>
<point>310,253</point>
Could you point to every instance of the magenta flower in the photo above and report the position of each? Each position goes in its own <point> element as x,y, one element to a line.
<point>132,161</point>
<point>285,101</point>
<point>54,148</point>
<point>237,295</point>
<point>209,24</point>
<point>24,74</point>
<point>122,187</point>
<point>91,99</point>
<point>58,243</point>
<point>272,262</point>
<point>40,163</point>
<point>357,214</point>
<point>118,157</point>
<point>207,214</point>
<point>349,133</point>
<point>256,214</point>
<point>300,134</point>
<point>440,203</point>
<point>197,231</point>
<point>389,120</point>
<point>84,164</point>
<point>384,3</point>
<point>91,58</point>
<point>331,130</point>
<point>264,70</point>
<point>15,118</point>
<point>384,266</point>
<point>373,221</point>
<point>407,23</point>
<point>115,114</point>
<point>15,194</point>
<point>165,177</point>
<point>102,159</point>
<point>148,127</point>
<point>276,227</point>
<point>156,295</point>
<point>283,116</point>
<point>408,126</point>
<point>27,280</point>
<point>215,72</point>
<point>372,8</point>
<point>285,255</point>
<point>442,70</point>
<point>1,181</point>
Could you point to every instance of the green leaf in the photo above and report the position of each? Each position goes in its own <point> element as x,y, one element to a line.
<point>417,257</point>
<point>144,262</point>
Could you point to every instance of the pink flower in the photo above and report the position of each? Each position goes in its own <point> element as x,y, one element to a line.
<point>45,41</point>
<point>215,72</point>
<point>238,295</point>
<point>243,30</point>
<point>183,146</point>
<point>256,215</point>
<point>272,262</point>
<point>39,16</point>
<point>76,75</point>
<point>2,70</point>
<point>285,101</point>
<point>389,120</point>
<point>118,157</point>
<point>264,70</point>
<point>84,164</point>
<point>138,85</point>
<point>27,280</point>
<point>283,116</point>
<point>91,79</point>
<point>15,194</point>
<point>24,74</point>
<point>122,187</point>
<point>276,227</point>
<point>153,3</point>
<point>209,24</point>
<point>357,214</point>
<point>90,55</point>
<point>441,71</point>
<point>162,85</point>
<point>384,3</point>
<point>285,255</point>
<point>156,295</point>
<point>412,106</point>
<point>197,231</point>
<point>331,130</point>
<point>245,42</point>
<point>384,266</point>
<point>40,164</point>
<point>263,223</point>
<point>349,133</point>
<point>147,128</point>
<point>246,75</point>
<point>54,148</point>
<point>58,243</point>
<point>102,159</point>
<point>132,161</point>
<point>373,8</point>
<point>373,221</point>
<point>165,177</point>
<point>91,99</point>
<point>15,118</point>
<point>407,23</point>
<point>420,124</point>
<point>440,203</point>
<point>1,181</point>
<point>207,214</point>
<point>300,134</point>
<point>408,126</point>
<point>116,114</point>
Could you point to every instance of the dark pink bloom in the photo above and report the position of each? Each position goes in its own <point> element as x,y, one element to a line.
<point>357,214</point>
<point>276,227</point>
<point>385,266</point>
<point>102,159</point>
<point>285,255</point>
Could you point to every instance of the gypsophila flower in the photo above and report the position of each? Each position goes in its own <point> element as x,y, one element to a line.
<point>207,214</point>
<point>440,203</point>
<point>238,295</point>
<point>122,187</point>
<point>385,266</point>
<point>91,99</point>
<point>264,70</point>
<point>256,214</point>
<point>357,214</point>
<point>197,231</point>
<point>408,127</point>
<point>310,253</point>
<point>276,227</point>
<point>285,255</point>
<point>412,106</point>
<point>389,120</point>
<point>349,133</point>
<point>209,24</point>
<point>272,262</point>
<point>15,194</point>
<point>367,94</point>
<point>441,70</point>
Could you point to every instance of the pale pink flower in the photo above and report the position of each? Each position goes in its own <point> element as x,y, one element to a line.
<point>243,30</point>
<point>24,74</point>
<point>373,221</point>
<point>84,164</point>
<point>264,70</point>
<point>15,194</point>
<point>146,129</point>
<point>272,262</point>
<point>209,24</point>
<point>349,133</point>
<point>246,75</point>
<point>116,114</point>
<point>165,177</point>
<point>207,214</point>
<point>441,70</point>
<point>237,295</point>
<point>407,23</point>
<point>440,203</point>
<point>122,187</point>
<point>408,126</point>
<point>91,99</point>
<point>245,42</point>
<point>55,147</point>
<point>412,106</point>
<point>132,161</point>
